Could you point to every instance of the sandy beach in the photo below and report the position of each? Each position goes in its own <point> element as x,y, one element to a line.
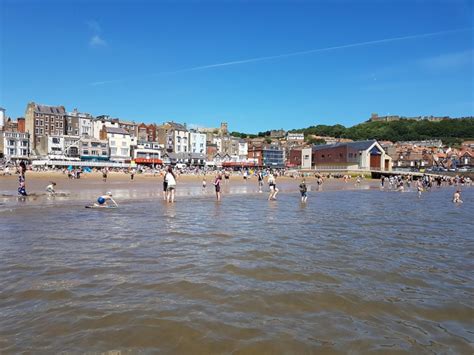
<point>149,186</point>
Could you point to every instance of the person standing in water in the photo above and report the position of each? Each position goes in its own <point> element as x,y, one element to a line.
<point>303,191</point>
<point>165,188</point>
<point>419,187</point>
<point>260,181</point>
<point>273,189</point>
<point>22,180</point>
<point>171,182</point>
<point>217,184</point>
<point>204,183</point>
<point>457,197</point>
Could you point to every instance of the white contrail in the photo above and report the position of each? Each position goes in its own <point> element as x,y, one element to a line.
<point>318,50</point>
<point>327,49</point>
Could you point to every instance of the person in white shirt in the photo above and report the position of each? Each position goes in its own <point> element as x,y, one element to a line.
<point>170,178</point>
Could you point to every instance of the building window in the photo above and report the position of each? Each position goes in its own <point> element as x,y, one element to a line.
<point>112,143</point>
<point>11,142</point>
<point>37,122</point>
<point>124,144</point>
<point>41,122</point>
<point>124,151</point>
<point>41,131</point>
<point>36,130</point>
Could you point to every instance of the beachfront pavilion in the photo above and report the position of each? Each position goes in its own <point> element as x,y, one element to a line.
<point>359,155</point>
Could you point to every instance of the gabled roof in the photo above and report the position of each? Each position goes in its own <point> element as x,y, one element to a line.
<point>55,110</point>
<point>116,130</point>
<point>358,145</point>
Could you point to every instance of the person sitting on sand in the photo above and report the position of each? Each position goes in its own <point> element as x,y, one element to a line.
<point>457,197</point>
<point>102,201</point>
<point>50,188</point>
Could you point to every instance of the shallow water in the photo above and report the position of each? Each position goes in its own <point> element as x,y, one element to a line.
<point>352,271</point>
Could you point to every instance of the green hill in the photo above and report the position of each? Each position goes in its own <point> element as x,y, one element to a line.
<point>451,131</point>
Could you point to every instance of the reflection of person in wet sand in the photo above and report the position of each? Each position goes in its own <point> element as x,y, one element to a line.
<point>457,197</point>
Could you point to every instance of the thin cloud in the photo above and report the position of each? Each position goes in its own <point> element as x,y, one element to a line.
<point>96,41</point>
<point>311,51</point>
<point>94,26</point>
<point>448,61</point>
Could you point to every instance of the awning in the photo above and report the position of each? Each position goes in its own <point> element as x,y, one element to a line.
<point>148,161</point>
<point>237,163</point>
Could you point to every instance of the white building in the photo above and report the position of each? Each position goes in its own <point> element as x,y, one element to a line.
<point>2,118</point>
<point>147,154</point>
<point>84,122</point>
<point>16,145</point>
<point>197,142</point>
<point>295,137</point>
<point>243,150</point>
<point>218,142</point>
<point>306,155</point>
<point>178,138</point>
<point>120,143</point>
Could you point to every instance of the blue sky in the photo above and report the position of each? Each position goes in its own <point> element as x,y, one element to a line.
<point>258,65</point>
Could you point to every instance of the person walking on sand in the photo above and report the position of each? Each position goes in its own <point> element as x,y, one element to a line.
<point>104,175</point>
<point>303,191</point>
<point>132,174</point>
<point>204,183</point>
<point>273,189</point>
<point>457,197</point>
<point>217,185</point>
<point>170,178</point>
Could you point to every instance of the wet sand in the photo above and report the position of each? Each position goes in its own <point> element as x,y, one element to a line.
<point>149,186</point>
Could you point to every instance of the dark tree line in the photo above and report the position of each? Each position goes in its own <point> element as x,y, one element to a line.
<point>449,131</point>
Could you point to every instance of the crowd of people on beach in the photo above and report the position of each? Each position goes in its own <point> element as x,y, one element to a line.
<point>400,183</point>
